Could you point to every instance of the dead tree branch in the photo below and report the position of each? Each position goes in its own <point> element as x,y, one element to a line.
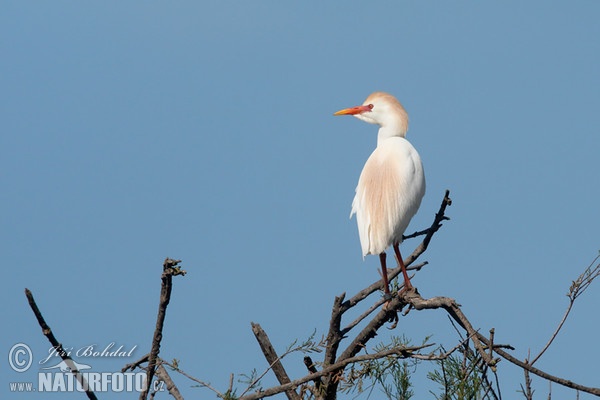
<point>170,268</point>
<point>164,376</point>
<point>273,360</point>
<point>58,346</point>
<point>310,365</point>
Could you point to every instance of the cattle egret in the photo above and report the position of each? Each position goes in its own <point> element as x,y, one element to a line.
<point>391,184</point>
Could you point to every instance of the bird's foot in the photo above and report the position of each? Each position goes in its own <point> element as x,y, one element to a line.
<point>393,318</point>
<point>392,315</point>
<point>406,293</point>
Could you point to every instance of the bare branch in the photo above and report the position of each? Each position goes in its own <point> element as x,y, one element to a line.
<point>415,300</point>
<point>540,373</point>
<point>312,369</point>
<point>364,315</point>
<point>334,336</point>
<point>578,286</point>
<point>136,364</point>
<point>170,268</point>
<point>273,360</point>
<point>164,376</point>
<point>58,346</point>
<point>198,381</point>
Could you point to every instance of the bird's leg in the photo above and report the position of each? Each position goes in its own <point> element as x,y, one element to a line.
<point>393,317</point>
<point>407,284</point>
<point>386,284</point>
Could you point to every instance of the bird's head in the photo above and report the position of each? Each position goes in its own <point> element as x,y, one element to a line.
<point>382,109</point>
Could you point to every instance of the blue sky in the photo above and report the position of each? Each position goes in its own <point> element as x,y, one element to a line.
<point>204,131</point>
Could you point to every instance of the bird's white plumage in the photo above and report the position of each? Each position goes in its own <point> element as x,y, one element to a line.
<point>388,194</point>
<point>392,182</point>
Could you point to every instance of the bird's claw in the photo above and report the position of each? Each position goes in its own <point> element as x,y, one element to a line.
<point>392,315</point>
<point>393,318</point>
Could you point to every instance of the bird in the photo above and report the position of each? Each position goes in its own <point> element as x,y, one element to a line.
<point>391,185</point>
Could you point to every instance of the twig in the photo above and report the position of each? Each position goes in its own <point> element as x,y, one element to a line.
<point>273,360</point>
<point>170,268</point>
<point>58,346</point>
<point>526,390</point>
<point>363,316</point>
<point>577,288</point>
<point>198,381</point>
<point>132,366</point>
<point>230,388</point>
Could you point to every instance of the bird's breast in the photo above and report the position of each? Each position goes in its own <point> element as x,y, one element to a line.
<point>388,194</point>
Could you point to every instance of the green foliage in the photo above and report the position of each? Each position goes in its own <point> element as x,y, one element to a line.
<point>389,374</point>
<point>400,386</point>
<point>251,380</point>
<point>310,345</point>
<point>230,395</point>
<point>460,377</point>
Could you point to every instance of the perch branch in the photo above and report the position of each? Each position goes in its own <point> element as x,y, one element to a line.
<point>382,317</point>
<point>420,249</point>
<point>448,304</point>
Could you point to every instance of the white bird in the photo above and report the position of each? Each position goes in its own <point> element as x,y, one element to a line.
<point>391,184</point>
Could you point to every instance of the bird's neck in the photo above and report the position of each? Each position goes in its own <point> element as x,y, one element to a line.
<point>386,132</point>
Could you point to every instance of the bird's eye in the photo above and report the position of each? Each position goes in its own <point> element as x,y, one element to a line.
<point>370,106</point>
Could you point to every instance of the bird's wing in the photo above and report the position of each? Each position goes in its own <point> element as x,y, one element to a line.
<point>388,194</point>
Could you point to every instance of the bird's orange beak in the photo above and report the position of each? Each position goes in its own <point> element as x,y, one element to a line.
<point>353,110</point>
